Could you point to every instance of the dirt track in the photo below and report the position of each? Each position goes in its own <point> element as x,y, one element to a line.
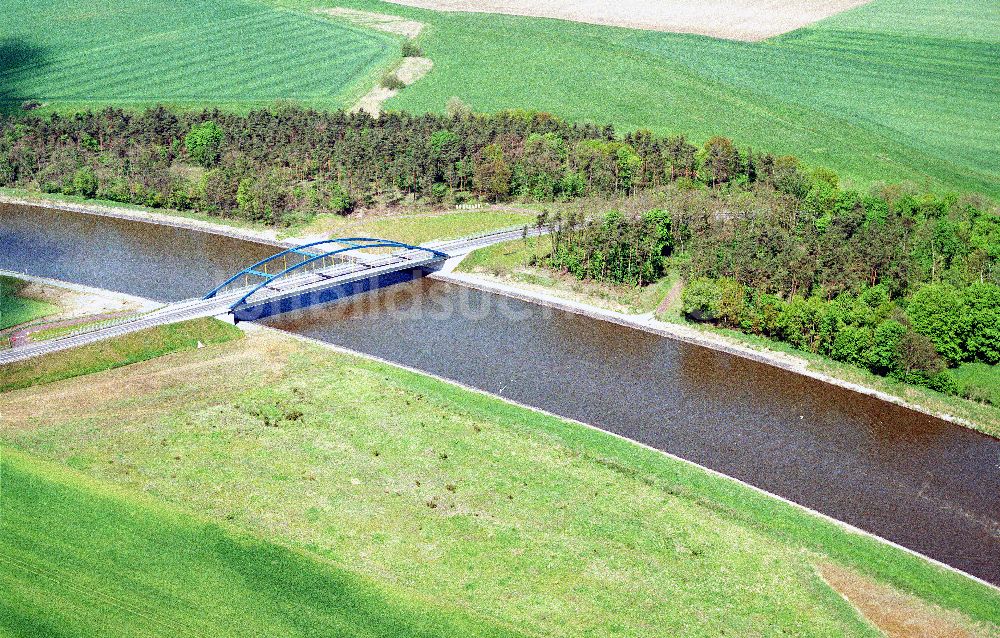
<point>749,20</point>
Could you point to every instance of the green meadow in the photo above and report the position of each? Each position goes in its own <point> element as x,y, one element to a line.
<point>227,53</point>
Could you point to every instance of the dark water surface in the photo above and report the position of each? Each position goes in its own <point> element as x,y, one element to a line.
<point>916,480</point>
<point>148,260</point>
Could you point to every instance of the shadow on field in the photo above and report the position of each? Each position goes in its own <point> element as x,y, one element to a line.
<point>18,60</point>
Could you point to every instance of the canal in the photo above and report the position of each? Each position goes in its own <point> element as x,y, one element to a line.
<point>916,480</point>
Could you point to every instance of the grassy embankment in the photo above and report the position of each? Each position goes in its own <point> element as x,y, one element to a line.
<point>509,262</point>
<point>114,353</point>
<point>83,558</point>
<point>908,88</point>
<point>418,228</point>
<point>15,308</point>
<point>979,381</point>
<point>520,518</point>
<point>225,53</point>
<point>411,227</point>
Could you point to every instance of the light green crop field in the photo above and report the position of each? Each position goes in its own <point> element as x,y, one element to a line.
<point>230,53</point>
<point>442,494</point>
<point>80,558</point>
<point>895,90</point>
<point>16,309</point>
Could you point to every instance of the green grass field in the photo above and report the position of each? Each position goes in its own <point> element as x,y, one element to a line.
<point>895,90</point>
<point>521,519</point>
<point>229,53</point>
<point>104,355</point>
<point>15,309</point>
<point>78,558</point>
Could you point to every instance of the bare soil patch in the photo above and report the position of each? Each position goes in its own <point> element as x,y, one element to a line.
<point>76,304</point>
<point>409,71</point>
<point>380,21</point>
<point>896,614</point>
<point>749,20</point>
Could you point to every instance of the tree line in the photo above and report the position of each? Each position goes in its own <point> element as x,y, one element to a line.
<point>901,282</point>
<point>284,164</point>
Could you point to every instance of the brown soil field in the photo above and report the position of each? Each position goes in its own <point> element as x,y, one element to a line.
<point>749,20</point>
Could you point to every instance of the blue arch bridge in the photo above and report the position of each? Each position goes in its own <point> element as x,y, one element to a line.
<point>294,278</point>
<point>322,271</point>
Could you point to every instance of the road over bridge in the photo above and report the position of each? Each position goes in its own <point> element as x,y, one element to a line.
<point>295,278</point>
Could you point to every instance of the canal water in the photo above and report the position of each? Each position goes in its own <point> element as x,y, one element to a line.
<point>149,260</point>
<point>919,481</point>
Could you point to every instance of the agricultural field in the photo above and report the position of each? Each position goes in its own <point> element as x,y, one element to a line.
<point>225,53</point>
<point>522,521</point>
<point>893,90</point>
<point>741,20</point>
<point>888,91</point>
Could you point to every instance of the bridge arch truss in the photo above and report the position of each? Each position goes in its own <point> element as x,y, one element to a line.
<point>312,257</point>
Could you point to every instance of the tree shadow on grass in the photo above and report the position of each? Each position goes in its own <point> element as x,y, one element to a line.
<point>19,60</point>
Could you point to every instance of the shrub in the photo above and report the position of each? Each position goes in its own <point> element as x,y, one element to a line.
<point>411,50</point>
<point>883,357</point>
<point>30,105</point>
<point>340,200</point>
<point>851,345</point>
<point>204,143</point>
<point>701,300</point>
<point>943,382</point>
<point>938,312</point>
<point>392,82</point>
<point>439,191</point>
<point>732,302</point>
<point>983,300</point>
<point>85,182</point>
<point>456,108</point>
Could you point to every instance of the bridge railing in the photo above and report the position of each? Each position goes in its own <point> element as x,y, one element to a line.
<point>102,324</point>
